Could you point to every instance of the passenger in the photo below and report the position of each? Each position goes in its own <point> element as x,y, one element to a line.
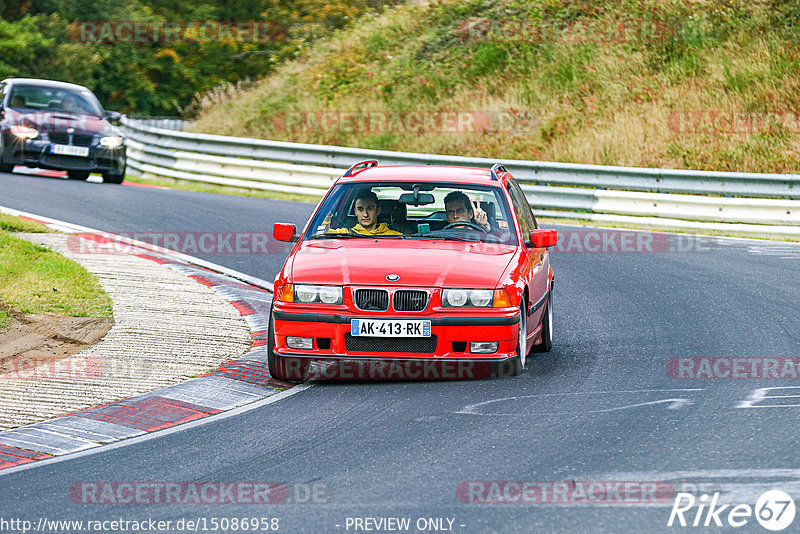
<point>459,208</point>
<point>367,210</point>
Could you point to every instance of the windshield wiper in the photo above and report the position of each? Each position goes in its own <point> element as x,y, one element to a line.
<point>332,234</point>
<point>444,237</point>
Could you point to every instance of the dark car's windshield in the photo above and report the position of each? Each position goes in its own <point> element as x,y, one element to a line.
<point>44,98</point>
<point>415,210</point>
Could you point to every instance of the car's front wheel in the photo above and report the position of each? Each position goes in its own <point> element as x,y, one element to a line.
<point>281,368</point>
<point>6,167</point>
<point>518,361</point>
<point>113,178</point>
<point>78,175</point>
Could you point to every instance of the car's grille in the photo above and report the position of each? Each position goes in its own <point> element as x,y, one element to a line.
<point>82,139</point>
<point>372,299</point>
<point>59,138</point>
<point>390,344</point>
<point>409,300</point>
<point>62,138</point>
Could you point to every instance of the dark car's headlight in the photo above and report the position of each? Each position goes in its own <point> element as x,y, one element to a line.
<point>475,298</point>
<point>24,132</point>
<point>309,294</point>
<point>111,141</point>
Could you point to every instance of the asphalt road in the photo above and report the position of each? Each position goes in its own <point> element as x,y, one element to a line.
<point>600,407</point>
<point>157,212</point>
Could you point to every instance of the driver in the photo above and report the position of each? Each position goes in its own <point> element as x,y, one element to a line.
<point>460,208</point>
<point>69,103</point>
<point>367,209</point>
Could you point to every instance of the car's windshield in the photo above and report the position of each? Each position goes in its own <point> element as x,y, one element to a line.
<point>44,98</point>
<point>415,210</point>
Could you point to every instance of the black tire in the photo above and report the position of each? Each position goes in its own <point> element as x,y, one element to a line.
<point>516,365</point>
<point>279,367</point>
<point>78,175</point>
<point>547,327</point>
<point>112,178</point>
<point>4,167</point>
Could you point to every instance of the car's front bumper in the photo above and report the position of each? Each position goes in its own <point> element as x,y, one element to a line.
<point>444,355</point>
<point>36,153</point>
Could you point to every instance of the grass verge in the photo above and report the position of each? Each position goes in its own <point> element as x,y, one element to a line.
<point>708,85</point>
<point>37,280</point>
<point>9,223</point>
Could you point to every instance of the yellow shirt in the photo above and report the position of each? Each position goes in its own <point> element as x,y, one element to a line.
<point>381,229</point>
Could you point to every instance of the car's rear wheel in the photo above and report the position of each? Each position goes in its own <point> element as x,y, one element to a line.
<point>281,368</point>
<point>547,327</point>
<point>6,167</point>
<point>78,175</point>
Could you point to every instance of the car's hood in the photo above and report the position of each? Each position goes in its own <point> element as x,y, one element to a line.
<point>418,262</point>
<point>59,121</point>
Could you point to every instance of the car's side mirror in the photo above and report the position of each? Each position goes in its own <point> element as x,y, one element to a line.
<point>542,237</point>
<point>284,232</point>
<point>113,116</point>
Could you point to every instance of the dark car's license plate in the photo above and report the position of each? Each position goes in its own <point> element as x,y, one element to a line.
<point>69,150</point>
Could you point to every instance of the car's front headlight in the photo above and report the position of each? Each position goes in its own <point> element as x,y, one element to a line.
<point>24,132</point>
<point>309,294</point>
<point>475,298</point>
<point>111,141</point>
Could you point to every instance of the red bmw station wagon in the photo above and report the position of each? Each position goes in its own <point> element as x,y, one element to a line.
<point>413,272</point>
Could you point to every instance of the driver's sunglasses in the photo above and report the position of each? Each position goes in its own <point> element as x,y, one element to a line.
<point>459,212</point>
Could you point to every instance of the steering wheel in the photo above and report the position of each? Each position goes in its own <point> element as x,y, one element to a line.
<point>464,224</point>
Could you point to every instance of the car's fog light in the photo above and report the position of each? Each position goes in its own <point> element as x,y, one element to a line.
<point>301,342</point>
<point>483,346</point>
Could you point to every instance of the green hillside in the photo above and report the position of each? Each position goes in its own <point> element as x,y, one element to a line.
<point>693,84</point>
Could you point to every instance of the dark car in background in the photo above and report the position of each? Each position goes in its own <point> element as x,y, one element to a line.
<point>61,126</point>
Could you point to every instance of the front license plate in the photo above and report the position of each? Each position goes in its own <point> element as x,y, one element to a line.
<point>386,328</point>
<point>69,150</point>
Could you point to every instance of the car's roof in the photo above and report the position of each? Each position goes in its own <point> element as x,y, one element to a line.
<point>44,83</point>
<point>425,173</point>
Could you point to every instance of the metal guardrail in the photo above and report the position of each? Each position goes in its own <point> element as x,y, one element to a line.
<point>763,205</point>
<point>165,123</point>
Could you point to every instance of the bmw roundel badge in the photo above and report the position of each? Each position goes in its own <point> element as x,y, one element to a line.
<point>393,277</point>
